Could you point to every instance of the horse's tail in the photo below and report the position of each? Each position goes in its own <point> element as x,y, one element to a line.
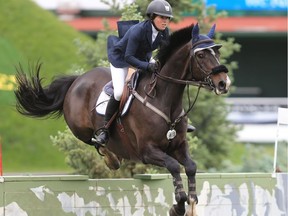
<point>36,101</point>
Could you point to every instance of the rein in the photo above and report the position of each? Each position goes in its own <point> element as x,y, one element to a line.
<point>203,84</point>
<point>178,119</point>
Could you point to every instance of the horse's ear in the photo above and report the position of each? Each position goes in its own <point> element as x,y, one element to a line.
<point>212,31</point>
<point>195,32</point>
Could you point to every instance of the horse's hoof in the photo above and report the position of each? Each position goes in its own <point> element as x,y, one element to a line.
<point>110,159</point>
<point>175,211</point>
<point>192,199</point>
<point>191,209</point>
<point>181,197</point>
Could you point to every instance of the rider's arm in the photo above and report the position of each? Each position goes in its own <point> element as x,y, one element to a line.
<point>131,50</point>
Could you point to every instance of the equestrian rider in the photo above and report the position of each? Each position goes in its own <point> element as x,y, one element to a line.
<point>134,49</point>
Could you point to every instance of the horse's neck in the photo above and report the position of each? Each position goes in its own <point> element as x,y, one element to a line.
<point>170,93</point>
<point>177,67</point>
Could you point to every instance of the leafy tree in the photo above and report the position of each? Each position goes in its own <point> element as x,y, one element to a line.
<point>255,159</point>
<point>211,142</point>
<point>85,160</point>
<point>215,133</point>
<point>90,49</point>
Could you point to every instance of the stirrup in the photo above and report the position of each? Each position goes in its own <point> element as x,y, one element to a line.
<point>101,136</point>
<point>97,146</point>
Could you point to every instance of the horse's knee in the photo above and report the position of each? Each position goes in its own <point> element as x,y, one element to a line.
<point>173,166</point>
<point>191,168</point>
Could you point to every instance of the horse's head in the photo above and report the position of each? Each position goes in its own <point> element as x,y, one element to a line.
<point>206,65</point>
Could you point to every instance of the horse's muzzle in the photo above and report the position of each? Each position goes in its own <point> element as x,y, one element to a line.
<point>223,86</point>
<point>220,79</point>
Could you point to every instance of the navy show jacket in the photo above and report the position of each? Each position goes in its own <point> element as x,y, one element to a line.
<point>135,48</point>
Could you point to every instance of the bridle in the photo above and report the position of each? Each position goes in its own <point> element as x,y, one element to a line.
<point>207,83</point>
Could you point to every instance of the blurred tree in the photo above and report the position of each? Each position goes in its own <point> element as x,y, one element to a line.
<point>255,159</point>
<point>215,135</point>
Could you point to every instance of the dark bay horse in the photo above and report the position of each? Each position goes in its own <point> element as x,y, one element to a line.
<point>154,129</point>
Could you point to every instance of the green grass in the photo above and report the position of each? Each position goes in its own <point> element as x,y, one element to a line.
<point>29,34</point>
<point>8,57</point>
<point>38,34</point>
<point>26,142</point>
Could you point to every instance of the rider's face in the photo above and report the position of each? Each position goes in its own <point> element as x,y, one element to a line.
<point>161,22</point>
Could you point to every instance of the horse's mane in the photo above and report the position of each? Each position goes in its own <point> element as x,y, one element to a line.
<point>174,42</point>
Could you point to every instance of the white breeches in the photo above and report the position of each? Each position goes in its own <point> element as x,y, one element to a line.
<point>118,79</point>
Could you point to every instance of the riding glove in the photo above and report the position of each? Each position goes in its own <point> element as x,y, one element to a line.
<point>152,67</point>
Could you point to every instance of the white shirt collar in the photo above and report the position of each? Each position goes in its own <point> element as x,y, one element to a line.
<point>154,33</point>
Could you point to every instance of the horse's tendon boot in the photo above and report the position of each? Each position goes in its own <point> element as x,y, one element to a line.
<point>110,159</point>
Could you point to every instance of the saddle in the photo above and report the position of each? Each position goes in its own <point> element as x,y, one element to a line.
<point>126,99</point>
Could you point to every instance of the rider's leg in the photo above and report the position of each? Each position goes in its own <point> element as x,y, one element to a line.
<point>112,107</point>
<point>118,79</point>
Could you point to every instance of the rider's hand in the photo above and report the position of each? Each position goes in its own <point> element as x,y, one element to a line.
<point>152,67</point>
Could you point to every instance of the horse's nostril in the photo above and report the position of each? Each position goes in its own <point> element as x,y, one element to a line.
<point>222,85</point>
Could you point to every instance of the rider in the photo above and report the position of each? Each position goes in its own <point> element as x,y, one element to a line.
<point>134,49</point>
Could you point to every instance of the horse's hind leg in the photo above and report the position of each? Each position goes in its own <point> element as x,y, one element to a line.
<point>110,159</point>
<point>159,158</point>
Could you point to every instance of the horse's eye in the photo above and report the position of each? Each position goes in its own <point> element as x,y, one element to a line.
<point>200,55</point>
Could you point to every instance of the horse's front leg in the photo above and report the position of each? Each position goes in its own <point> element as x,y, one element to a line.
<point>183,157</point>
<point>157,157</point>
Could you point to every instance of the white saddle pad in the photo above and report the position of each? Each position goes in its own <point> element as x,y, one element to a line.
<point>102,102</point>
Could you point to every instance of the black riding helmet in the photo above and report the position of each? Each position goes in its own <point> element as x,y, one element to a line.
<point>159,7</point>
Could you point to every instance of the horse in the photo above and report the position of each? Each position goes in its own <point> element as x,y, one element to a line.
<point>153,131</point>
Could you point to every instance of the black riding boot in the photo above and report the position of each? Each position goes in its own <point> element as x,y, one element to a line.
<point>112,107</point>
